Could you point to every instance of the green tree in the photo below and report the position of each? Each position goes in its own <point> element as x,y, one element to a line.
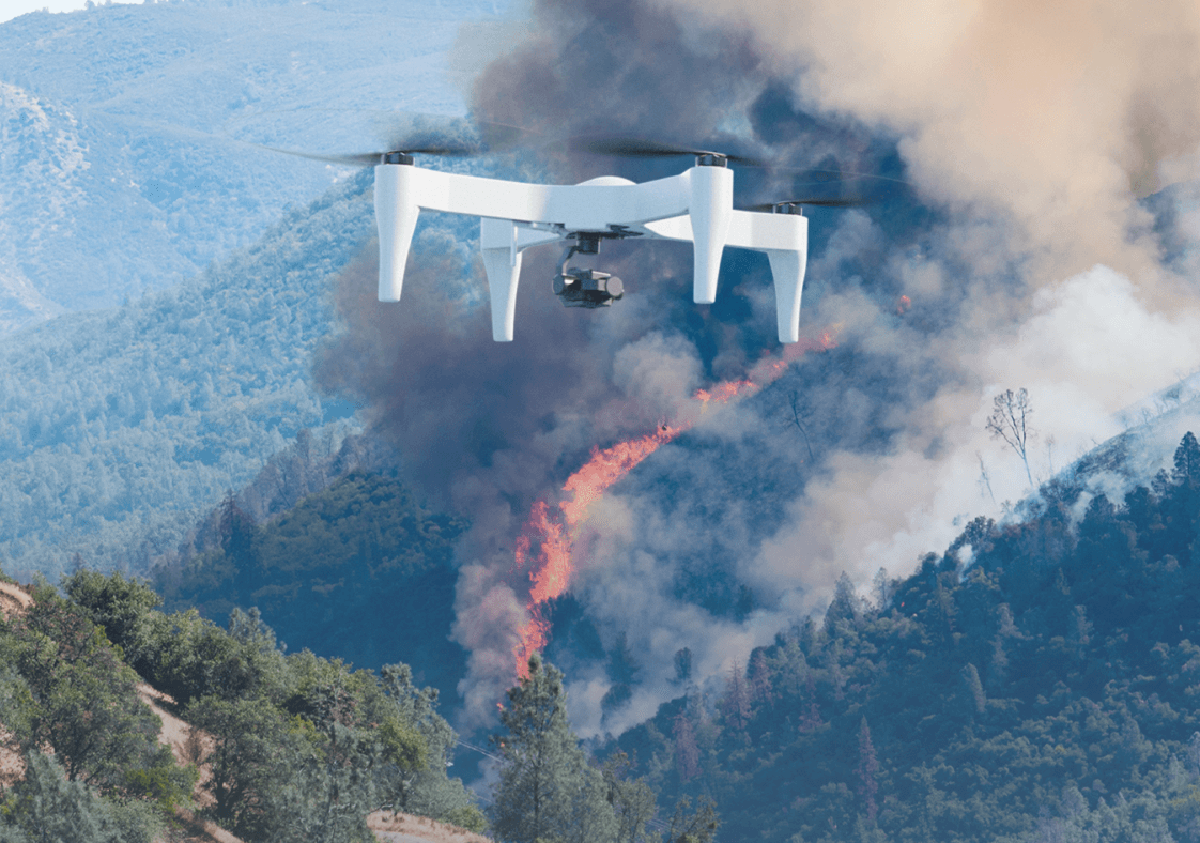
<point>417,747</point>
<point>118,605</point>
<point>547,791</point>
<point>698,826</point>
<point>330,788</point>
<point>84,697</point>
<point>45,807</point>
<point>632,800</point>
<point>868,770</point>
<point>241,540</point>
<point>255,754</point>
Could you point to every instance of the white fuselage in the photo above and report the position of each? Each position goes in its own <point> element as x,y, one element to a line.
<point>695,206</point>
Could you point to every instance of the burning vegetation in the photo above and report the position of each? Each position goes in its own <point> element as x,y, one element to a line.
<point>545,544</point>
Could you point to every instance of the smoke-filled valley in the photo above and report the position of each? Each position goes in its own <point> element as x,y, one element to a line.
<point>824,584</point>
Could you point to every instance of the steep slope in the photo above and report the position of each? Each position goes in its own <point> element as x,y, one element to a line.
<point>326,745</point>
<point>1035,681</point>
<point>361,572</point>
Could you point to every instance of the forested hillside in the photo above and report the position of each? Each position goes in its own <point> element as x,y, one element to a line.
<point>301,748</point>
<point>119,429</point>
<point>127,161</point>
<point>1036,681</point>
<point>361,572</point>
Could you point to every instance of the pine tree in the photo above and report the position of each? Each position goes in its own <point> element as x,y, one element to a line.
<point>760,679</point>
<point>547,791</point>
<point>974,686</point>
<point>810,718</point>
<point>736,705</point>
<point>687,753</point>
<point>846,606</point>
<point>1187,462</point>
<point>683,665</point>
<point>868,769</point>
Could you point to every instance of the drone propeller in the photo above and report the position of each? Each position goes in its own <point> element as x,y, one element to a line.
<point>818,176</point>
<point>493,137</point>
<point>643,148</point>
<point>369,159</point>
<point>843,202</point>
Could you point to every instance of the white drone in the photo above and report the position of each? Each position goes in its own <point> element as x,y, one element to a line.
<point>694,206</point>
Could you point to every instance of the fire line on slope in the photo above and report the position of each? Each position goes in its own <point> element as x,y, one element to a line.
<point>550,567</point>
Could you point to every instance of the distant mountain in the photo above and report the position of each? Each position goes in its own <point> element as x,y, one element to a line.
<point>127,161</point>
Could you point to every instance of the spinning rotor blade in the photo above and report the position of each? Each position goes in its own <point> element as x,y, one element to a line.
<point>370,159</point>
<point>843,202</point>
<point>830,176</point>
<point>439,141</point>
<point>642,148</point>
<point>445,137</point>
<point>361,159</point>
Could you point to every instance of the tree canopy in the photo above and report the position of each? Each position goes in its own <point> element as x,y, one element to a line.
<point>547,789</point>
<point>1036,681</point>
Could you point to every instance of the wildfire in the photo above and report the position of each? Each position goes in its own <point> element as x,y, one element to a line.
<point>724,392</point>
<point>550,566</point>
<point>550,572</point>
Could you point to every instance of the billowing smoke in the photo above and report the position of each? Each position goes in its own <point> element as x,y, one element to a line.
<point>1052,114</point>
<point>486,428</point>
<point>1013,254</point>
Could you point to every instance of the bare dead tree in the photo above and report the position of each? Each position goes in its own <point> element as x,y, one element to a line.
<point>797,421</point>
<point>1010,421</point>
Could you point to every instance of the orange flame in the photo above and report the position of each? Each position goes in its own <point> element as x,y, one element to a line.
<point>550,568</point>
<point>725,392</point>
<point>551,573</point>
<point>606,467</point>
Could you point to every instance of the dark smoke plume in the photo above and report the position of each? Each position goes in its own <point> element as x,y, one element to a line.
<point>939,305</point>
<point>488,428</point>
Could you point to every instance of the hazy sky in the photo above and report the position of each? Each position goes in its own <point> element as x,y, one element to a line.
<point>10,9</point>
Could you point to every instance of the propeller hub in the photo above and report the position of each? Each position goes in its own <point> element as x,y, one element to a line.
<point>395,158</point>
<point>711,159</point>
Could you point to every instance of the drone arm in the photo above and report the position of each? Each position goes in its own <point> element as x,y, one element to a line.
<point>784,238</point>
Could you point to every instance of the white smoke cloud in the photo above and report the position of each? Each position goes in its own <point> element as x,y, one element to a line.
<point>1055,113</point>
<point>1086,348</point>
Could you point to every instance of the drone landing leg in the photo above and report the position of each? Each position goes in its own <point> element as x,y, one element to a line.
<point>397,220</point>
<point>787,268</point>
<point>503,264</point>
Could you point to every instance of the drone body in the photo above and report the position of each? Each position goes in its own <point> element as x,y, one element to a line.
<point>695,206</point>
